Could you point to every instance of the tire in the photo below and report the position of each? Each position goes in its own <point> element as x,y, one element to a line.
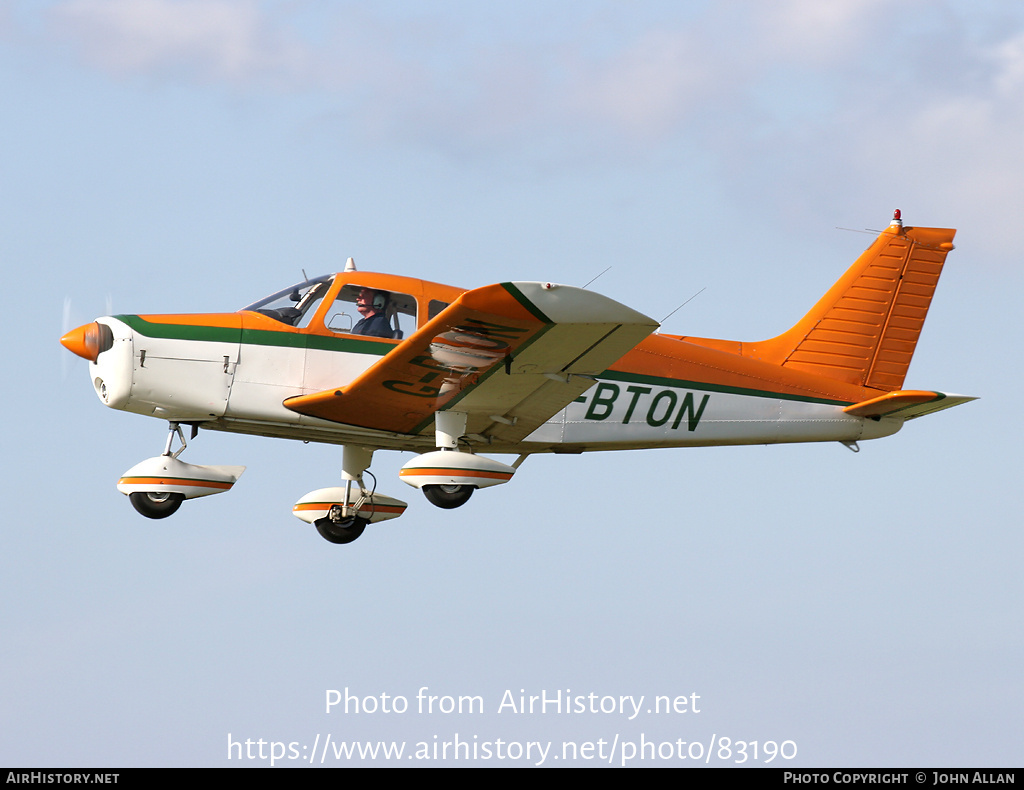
<point>340,532</point>
<point>448,497</point>
<point>154,504</point>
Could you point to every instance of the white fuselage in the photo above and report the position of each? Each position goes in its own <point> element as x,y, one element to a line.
<point>240,387</point>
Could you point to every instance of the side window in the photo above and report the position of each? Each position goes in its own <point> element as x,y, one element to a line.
<point>361,310</point>
<point>341,316</point>
<point>435,307</point>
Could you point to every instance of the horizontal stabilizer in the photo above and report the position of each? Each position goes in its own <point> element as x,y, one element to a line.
<point>907,404</point>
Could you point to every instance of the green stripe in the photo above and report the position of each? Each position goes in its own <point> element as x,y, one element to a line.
<point>535,311</point>
<point>256,337</point>
<point>210,334</point>
<point>352,345</point>
<point>637,378</point>
<point>359,345</point>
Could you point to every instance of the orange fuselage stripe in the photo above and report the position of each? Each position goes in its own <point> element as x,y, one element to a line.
<point>431,470</point>
<point>367,506</point>
<point>174,481</point>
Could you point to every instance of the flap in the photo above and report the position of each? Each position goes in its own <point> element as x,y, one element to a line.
<point>509,355</point>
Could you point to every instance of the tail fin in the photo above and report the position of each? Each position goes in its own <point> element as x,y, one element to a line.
<point>864,330</point>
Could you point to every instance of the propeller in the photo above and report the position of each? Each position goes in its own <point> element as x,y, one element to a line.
<point>87,340</point>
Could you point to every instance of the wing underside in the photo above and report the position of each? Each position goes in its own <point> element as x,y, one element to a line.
<point>510,356</point>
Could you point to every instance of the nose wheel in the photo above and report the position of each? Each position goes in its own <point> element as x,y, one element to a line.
<point>157,486</point>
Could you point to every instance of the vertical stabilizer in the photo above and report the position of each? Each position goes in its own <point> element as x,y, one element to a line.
<point>864,330</point>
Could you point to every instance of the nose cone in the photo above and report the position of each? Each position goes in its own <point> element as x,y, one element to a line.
<point>89,340</point>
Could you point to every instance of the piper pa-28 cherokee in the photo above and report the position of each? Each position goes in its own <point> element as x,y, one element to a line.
<point>517,367</point>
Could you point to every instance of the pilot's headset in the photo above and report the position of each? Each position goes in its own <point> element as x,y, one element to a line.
<point>380,301</point>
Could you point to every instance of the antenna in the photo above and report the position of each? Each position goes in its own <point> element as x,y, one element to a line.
<point>872,231</point>
<point>594,278</point>
<point>702,290</point>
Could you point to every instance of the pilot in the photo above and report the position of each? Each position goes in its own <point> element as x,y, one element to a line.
<point>373,306</point>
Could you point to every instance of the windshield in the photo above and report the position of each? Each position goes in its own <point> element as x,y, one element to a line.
<point>290,305</point>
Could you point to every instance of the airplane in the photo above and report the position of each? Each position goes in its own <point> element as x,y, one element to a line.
<point>376,361</point>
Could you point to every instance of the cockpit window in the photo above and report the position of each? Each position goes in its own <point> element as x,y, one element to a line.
<point>387,314</point>
<point>294,306</point>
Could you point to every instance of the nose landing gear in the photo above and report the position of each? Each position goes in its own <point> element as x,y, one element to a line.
<point>157,486</point>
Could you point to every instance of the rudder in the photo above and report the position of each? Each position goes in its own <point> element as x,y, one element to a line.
<point>864,330</point>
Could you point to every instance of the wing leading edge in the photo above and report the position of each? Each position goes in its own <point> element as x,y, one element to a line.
<point>510,355</point>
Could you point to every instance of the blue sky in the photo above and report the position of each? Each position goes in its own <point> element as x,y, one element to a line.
<point>186,156</point>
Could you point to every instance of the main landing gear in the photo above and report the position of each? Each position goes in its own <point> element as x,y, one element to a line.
<point>336,528</point>
<point>340,514</point>
<point>157,486</point>
<point>448,477</point>
<point>448,496</point>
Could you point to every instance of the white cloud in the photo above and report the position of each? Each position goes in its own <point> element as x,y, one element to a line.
<point>1008,58</point>
<point>226,40</point>
<point>816,31</point>
<point>784,97</point>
